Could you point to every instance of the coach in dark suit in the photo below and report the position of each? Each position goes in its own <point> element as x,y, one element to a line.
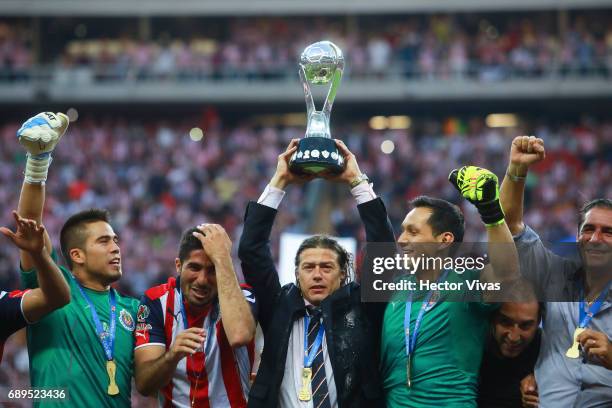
<point>321,343</point>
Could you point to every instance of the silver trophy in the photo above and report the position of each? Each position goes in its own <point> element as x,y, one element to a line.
<point>321,63</point>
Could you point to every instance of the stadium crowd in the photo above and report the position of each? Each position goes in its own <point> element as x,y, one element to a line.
<point>425,47</point>
<point>157,181</point>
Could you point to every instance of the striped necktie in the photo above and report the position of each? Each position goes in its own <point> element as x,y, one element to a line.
<point>320,394</point>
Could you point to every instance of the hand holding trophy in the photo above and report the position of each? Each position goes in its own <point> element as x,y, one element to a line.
<point>321,63</point>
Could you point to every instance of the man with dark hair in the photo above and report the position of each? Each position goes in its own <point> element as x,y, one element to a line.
<point>92,337</point>
<point>444,216</point>
<point>433,340</point>
<point>573,368</point>
<point>320,342</point>
<point>511,351</point>
<point>19,308</point>
<point>194,338</point>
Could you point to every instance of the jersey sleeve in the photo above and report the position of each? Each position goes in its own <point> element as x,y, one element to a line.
<point>149,324</point>
<point>249,295</point>
<point>29,279</point>
<point>11,314</point>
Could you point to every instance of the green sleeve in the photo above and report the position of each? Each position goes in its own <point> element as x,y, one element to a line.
<point>29,280</point>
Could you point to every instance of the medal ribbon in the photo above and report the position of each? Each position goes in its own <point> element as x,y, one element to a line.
<point>211,322</point>
<point>309,358</point>
<point>585,315</point>
<point>108,342</point>
<point>411,342</point>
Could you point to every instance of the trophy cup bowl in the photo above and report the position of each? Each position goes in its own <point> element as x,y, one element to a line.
<point>321,63</point>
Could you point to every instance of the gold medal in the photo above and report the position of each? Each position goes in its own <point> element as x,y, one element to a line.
<point>408,371</point>
<point>305,393</point>
<point>573,351</point>
<point>111,369</point>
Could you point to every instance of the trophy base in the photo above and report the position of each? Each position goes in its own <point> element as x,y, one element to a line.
<point>315,155</point>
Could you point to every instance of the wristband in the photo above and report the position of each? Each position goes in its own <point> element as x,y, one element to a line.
<point>515,178</point>
<point>37,168</point>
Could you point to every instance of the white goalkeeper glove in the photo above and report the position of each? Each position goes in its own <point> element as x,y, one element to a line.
<point>39,135</point>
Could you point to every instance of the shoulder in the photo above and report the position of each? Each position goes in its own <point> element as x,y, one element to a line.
<point>248,292</point>
<point>158,291</point>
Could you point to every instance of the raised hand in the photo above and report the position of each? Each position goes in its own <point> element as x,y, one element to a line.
<point>29,235</point>
<point>351,169</point>
<point>524,152</point>
<point>480,187</point>
<point>40,134</point>
<point>283,176</point>
<point>215,241</point>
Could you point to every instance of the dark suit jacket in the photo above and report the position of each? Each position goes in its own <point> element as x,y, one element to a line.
<point>352,328</point>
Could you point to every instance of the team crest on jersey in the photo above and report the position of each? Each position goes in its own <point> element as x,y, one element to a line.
<point>143,313</point>
<point>126,320</point>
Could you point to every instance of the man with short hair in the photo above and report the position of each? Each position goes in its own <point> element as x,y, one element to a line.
<point>87,346</point>
<point>510,354</point>
<point>320,341</point>
<point>575,360</point>
<point>194,338</point>
<point>19,308</point>
<point>433,340</point>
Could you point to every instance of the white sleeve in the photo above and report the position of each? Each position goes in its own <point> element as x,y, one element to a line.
<point>271,197</point>
<point>363,193</point>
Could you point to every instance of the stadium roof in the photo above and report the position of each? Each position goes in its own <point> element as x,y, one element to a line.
<point>123,8</point>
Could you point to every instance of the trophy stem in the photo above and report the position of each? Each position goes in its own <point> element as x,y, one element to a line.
<point>318,125</point>
<point>310,105</point>
<point>333,89</point>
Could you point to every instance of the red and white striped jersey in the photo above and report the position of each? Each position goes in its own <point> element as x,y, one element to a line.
<point>218,376</point>
<point>11,315</point>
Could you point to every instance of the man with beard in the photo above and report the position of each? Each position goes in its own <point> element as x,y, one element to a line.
<point>573,368</point>
<point>510,354</point>
<point>194,339</point>
<point>85,347</point>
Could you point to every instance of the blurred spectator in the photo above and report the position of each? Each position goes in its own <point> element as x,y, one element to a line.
<point>488,48</point>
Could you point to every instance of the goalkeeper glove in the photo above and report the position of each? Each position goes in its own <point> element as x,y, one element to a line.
<point>480,187</point>
<point>39,135</point>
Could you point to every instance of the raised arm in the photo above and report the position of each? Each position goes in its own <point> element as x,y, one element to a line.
<point>525,151</point>
<point>236,315</point>
<point>254,248</point>
<point>53,291</point>
<point>371,208</point>
<point>38,135</point>
<point>480,187</point>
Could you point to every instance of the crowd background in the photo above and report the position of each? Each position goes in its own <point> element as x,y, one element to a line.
<point>157,181</point>
<point>487,47</point>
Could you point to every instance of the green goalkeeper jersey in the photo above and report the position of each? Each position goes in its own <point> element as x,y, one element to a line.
<point>65,350</point>
<point>448,352</point>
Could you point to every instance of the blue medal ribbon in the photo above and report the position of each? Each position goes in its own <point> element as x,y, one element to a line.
<point>411,342</point>
<point>586,313</point>
<point>211,322</point>
<point>309,357</point>
<point>108,341</point>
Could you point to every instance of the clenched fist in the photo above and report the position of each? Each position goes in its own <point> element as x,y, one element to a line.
<point>40,134</point>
